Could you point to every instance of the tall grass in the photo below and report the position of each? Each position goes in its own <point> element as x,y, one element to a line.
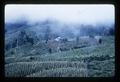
<point>26,68</point>
<point>61,72</point>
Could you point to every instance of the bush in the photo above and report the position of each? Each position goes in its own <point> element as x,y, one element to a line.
<point>101,68</point>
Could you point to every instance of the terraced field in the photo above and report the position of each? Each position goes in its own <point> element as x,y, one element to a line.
<point>92,61</point>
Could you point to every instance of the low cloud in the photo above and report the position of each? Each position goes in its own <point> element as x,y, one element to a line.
<point>89,14</point>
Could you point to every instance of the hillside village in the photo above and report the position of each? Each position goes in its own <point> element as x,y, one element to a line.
<point>46,53</point>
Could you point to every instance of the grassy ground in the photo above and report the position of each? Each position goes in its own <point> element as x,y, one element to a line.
<point>91,61</point>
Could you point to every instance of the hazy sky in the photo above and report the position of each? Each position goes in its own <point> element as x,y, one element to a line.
<point>89,14</point>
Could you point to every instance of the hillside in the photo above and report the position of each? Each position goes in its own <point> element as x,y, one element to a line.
<point>34,61</point>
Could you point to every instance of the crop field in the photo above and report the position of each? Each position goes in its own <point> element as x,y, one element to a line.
<point>89,61</point>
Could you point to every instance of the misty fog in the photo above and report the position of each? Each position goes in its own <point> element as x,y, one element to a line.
<point>87,14</point>
<point>61,18</point>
